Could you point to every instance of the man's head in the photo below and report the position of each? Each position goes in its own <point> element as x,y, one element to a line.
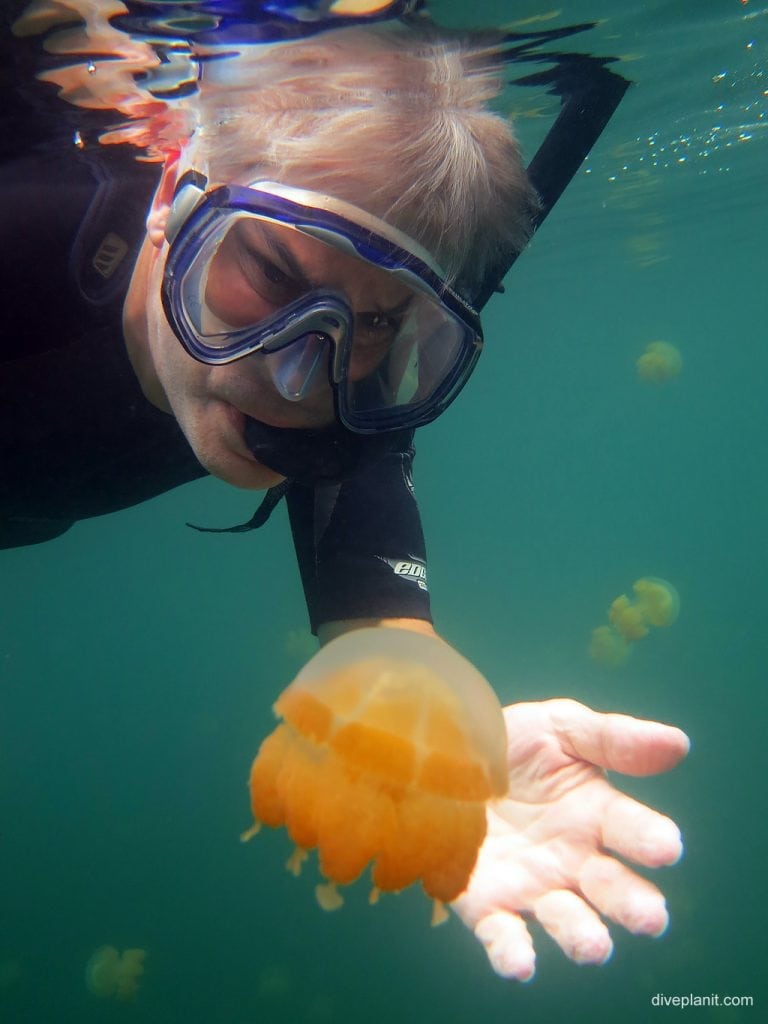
<point>391,120</point>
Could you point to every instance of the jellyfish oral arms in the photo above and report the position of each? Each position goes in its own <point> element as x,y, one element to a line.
<point>659,363</point>
<point>390,746</point>
<point>110,973</point>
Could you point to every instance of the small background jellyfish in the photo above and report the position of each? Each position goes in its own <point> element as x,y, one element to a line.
<point>110,973</point>
<point>391,745</point>
<point>608,647</point>
<point>659,363</point>
<point>656,603</point>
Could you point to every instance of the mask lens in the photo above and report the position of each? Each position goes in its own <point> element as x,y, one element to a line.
<point>236,282</point>
<point>428,350</point>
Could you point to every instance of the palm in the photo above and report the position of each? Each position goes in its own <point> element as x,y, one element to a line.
<point>545,852</point>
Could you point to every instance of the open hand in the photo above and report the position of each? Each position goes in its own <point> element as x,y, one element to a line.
<point>546,852</point>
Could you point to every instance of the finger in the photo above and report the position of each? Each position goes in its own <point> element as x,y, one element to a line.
<point>640,834</point>
<point>574,926</point>
<point>508,944</point>
<point>624,897</point>
<point>618,743</point>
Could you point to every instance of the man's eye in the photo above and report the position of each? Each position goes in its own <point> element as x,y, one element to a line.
<point>272,272</point>
<point>376,328</point>
<point>267,279</point>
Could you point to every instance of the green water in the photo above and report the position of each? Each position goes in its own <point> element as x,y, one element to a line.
<point>139,660</point>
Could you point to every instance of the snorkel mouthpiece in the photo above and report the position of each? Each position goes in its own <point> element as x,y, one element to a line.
<point>329,455</point>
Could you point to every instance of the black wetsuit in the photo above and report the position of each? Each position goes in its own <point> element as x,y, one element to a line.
<point>79,439</point>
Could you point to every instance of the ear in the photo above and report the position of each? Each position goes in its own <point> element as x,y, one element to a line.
<point>161,204</point>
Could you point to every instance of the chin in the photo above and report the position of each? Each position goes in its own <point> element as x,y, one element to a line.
<point>224,455</point>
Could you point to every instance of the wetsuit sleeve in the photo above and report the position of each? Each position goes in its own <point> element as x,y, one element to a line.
<point>360,544</point>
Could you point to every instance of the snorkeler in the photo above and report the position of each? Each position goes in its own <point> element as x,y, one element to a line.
<point>305,295</point>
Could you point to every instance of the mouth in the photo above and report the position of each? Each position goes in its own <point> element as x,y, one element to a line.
<point>239,418</point>
<point>236,441</point>
<point>277,413</point>
<point>301,454</point>
<point>308,450</point>
<point>267,442</point>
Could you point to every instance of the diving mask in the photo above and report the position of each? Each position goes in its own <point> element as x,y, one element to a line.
<point>232,288</point>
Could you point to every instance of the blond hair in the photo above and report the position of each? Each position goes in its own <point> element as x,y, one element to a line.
<point>393,119</point>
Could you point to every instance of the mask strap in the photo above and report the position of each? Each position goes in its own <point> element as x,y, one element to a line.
<point>260,516</point>
<point>189,193</point>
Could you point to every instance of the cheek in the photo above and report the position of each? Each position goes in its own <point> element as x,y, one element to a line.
<point>179,374</point>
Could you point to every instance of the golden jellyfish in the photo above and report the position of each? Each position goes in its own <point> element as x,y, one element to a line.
<point>659,363</point>
<point>627,619</point>
<point>110,973</point>
<point>658,600</point>
<point>391,744</point>
<point>657,604</point>
<point>607,647</point>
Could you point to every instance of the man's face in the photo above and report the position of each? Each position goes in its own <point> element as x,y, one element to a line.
<point>257,264</point>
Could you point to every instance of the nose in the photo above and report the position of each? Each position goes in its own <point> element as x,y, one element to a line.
<point>296,369</point>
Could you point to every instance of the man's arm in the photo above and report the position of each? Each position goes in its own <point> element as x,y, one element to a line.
<point>361,550</point>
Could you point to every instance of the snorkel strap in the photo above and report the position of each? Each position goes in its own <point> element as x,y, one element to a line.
<point>272,498</point>
<point>310,457</point>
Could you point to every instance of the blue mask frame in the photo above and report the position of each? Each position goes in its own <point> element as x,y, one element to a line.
<point>199,216</point>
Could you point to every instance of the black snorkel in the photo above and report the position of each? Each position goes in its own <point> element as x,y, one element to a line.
<point>589,94</point>
<point>309,457</point>
<point>319,456</point>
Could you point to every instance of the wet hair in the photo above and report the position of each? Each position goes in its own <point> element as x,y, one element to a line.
<point>394,119</point>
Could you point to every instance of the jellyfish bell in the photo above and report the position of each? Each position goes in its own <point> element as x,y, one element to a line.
<point>108,973</point>
<point>658,600</point>
<point>659,363</point>
<point>131,969</point>
<point>608,647</point>
<point>390,746</point>
<point>657,604</point>
<point>627,619</point>
<point>101,972</point>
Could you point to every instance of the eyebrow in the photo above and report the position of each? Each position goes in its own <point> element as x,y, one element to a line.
<point>283,252</point>
<point>397,310</point>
